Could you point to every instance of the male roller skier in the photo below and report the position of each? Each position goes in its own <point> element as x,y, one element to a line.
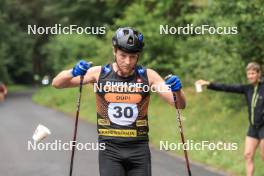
<point>122,104</point>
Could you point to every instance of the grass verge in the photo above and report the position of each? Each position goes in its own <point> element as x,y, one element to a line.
<point>17,88</point>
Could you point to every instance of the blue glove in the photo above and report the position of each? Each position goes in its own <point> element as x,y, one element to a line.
<point>81,68</point>
<point>174,83</point>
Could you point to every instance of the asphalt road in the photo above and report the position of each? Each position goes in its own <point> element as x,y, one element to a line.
<point>19,118</point>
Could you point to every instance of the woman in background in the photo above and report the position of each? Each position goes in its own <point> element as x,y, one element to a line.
<point>254,92</point>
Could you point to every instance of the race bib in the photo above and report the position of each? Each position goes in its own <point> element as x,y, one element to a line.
<point>122,113</point>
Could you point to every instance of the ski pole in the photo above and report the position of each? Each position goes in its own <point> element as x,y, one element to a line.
<point>178,116</point>
<point>76,124</point>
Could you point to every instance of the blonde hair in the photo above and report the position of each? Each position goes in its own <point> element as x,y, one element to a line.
<point>254,66</point>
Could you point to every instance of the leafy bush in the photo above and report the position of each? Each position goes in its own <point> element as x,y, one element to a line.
<point>63,50</point>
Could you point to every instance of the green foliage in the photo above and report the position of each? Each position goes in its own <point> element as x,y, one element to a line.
<point>3,69</point>
<point>23,55</point>
<point>190,56</point>
<point>15,50</point>
<point>63,50</point>
<point>248,16</point>
<point>208,57</point>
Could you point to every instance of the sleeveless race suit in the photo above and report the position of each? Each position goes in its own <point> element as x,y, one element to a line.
<point>122,123</point>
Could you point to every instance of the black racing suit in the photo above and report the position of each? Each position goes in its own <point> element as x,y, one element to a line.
<point>255,100</point>
<point>125,158</point>
<point>122,123</point>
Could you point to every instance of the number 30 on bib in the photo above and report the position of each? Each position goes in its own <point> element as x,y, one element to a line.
<point>122,113</point>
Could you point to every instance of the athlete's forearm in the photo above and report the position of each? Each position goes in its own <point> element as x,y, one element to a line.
<point>227,88</point>
<point>63,80</point>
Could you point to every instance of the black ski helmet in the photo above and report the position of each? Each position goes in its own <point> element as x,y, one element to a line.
<point>128,40</point>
